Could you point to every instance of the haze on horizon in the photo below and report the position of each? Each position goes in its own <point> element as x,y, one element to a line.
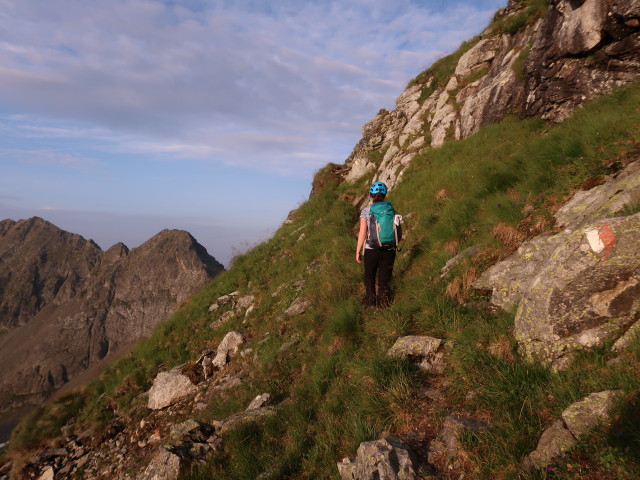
<point>121,118</point>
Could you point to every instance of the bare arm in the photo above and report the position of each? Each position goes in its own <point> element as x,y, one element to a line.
<point>362,235</point>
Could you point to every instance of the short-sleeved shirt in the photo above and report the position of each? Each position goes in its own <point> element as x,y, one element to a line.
<point>366,213</point>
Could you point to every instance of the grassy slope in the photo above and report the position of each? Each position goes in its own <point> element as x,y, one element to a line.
<point>335,386</point>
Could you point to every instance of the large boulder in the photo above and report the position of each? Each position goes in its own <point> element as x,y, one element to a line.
<point>228,346</point>
<point>385,459</point>
<point>580,287</point>
<point>168,388</point>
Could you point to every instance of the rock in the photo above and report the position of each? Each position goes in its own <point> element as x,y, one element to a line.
<point>50,453</point>
<point>577,421</point>
<point>480,55</point>
<point>555,441</point>
<point>297,307</point>
<point>279,290</point>
<point>627,339</point>
<point>163,466</point>
<point>385,459</point>
<point>260,401</point>
<point>249,416</point>
<point>190,431</point>
<point>455,261</point>
<point>583,416</point>
<point>229,346</point>
<point>287,345</point>
<point>168,388</point>
<point>227,382</point>
<point>444,450</point>
<point>245,302</point>
<point>581,298</point>
<point>427,352</point>
<point>414,346</point>
<point>512,278</point>
<point>578,288</point>
<point>47,474</point>
<point>602,201</point>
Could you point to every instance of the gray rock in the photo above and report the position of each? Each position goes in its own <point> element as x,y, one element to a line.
<point>260,401</point>
<point>228,347</point>
<point>480,55</point>
<point>427,352</point>
<point>163,466</point>
<point>385,459</point>
<point>603,201</point>
<point>190,431</point>
<point>578,288</point>
<point>245,302</point>
<point>455,261</point>
<point>555,441</point>
<point>168,388</point>
<point>583,296</point>
<point>414,346</point>
<point>583,416</point>
<point>297,307</point>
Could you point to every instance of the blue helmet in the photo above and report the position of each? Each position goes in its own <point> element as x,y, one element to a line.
<point>378,187</point>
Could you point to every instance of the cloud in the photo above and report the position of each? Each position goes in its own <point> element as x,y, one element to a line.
<point>243,82</point>
<point>49,158</point>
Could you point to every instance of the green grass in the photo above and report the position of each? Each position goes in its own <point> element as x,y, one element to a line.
<point>530,11</point>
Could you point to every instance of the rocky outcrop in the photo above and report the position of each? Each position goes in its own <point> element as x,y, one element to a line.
<point>385,459</point>
<point>576,52</point>
<point>580,287</point>
<point>59,289</point>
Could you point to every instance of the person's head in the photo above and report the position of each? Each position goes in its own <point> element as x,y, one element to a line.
<point>378,191</point>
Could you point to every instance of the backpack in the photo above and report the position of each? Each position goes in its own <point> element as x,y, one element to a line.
<point>382,231</point>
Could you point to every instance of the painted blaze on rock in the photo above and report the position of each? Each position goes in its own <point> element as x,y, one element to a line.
<point>582,298</point>
<point>580,287</point>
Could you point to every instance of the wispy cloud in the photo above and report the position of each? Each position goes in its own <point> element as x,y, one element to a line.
<point>49,158</point>
<point>216,78</point>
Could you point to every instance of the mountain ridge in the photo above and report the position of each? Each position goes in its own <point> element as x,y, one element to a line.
<point>56,288</point>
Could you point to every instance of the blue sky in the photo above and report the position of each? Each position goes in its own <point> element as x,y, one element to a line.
<point>119,118</point>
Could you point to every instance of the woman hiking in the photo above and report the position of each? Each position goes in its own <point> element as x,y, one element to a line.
<point>379,234</point>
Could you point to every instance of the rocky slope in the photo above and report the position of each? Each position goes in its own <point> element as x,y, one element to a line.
<point>575,51</point>
<point>65,304</point>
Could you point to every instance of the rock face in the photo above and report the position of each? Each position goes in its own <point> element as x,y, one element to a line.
<point>577,51</point>
<point>581,287</point>
<point>65,304</point>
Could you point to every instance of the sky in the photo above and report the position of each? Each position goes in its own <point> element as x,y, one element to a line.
<point>119,118</point>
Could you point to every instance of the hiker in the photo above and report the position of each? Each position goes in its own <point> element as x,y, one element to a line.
<point>379,235</point>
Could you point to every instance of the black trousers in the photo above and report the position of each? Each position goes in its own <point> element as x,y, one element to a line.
<point>378,263</point>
